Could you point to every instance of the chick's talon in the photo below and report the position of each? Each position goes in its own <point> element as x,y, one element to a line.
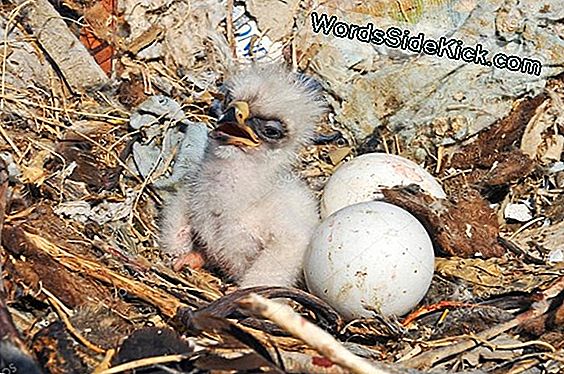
<point>193,260</point>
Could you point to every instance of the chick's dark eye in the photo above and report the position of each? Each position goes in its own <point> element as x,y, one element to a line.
<point>272,132</point>
<point>269,130</point>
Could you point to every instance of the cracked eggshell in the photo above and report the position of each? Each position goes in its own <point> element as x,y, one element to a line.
<point>362,179</point>
<point>371,256</point>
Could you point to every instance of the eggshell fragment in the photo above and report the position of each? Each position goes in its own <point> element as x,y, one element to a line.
<point>362,179</point>
<point>371,256</point>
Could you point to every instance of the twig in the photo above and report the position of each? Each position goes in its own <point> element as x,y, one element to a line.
<point>229,24</point>
<point>320,340</point>
<point>11,17</point>
<point>434,307</point>
<point>4,196</point>
<point>427,359</point>
<point>109,152</point>
<point>526,226</point>
<point>65,110</point>
<point>10,141</point>
<point>9,335</point>
<point>106,362</point>
<point>440,156</point>
<point>524,362</point>
<point>145,362</point>
<point>56,304</point>
<point>166,303</point>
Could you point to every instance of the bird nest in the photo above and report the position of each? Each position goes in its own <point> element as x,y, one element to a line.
<point>86,289</point>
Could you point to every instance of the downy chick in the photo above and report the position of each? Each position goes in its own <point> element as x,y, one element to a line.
<point>245,204</point>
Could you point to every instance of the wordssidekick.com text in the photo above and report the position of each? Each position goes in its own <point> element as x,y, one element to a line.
<point>395,37</point>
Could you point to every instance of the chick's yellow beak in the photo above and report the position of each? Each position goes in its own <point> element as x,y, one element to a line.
<point>232,127</point>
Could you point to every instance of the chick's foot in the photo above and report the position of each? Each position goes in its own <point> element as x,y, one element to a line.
<point>193,260</point>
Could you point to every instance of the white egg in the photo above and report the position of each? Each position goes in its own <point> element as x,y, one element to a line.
<point>370,256</point>
<point>362,179</point>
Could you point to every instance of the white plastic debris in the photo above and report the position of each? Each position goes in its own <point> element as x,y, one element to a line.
<point>102,213</point>
<point>189,156</point>
<point>13,170</point>
<point>251,44</point>
<point>148,113</point>
<point>518,211</point>
<point>556,255</point>
<point>557,167</point>
<point>168,138</point>
<point>78,210</point>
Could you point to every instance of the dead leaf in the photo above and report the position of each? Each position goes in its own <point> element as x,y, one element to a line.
<point>532,137</point>
<point>555,146</point>
<point>338,154</point>
<point>34,172</point>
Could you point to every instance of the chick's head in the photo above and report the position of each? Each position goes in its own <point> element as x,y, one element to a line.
<point>269,113</point>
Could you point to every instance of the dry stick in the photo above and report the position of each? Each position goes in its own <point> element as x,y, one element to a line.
<point>106,361</point>
<point>57,109</point>
<point>84,136</point>
<point>8,332</point>
<point>10,141</point>
<point>144,362</point>
<point>427,359</point>
<point>146,181</point>
<point>525,362</point>
<point>488,344</point>
<point>11,17</point>
<point>229,24</point>
<point>166,303</point>
<point>56,304</point>
<point>317,338</point>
